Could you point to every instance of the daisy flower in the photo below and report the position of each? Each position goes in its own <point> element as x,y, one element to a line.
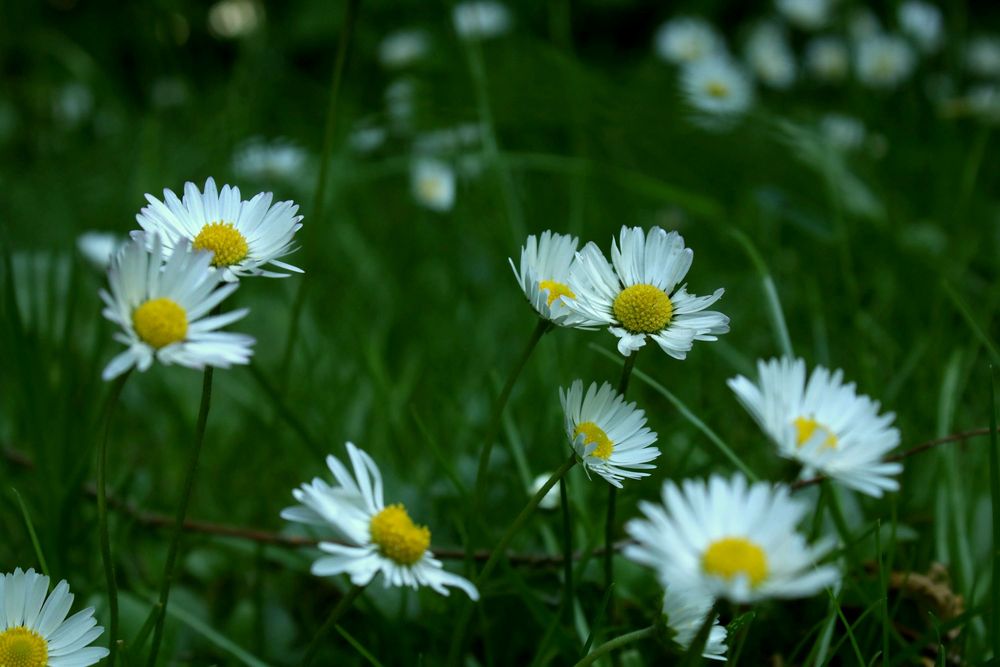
<point>381,538</point>
<point>263,160</point>
<point>163,309</point>
<point>480,19</point>
<point>982,55</point>
<point>637,294</point>
<point>544,274</point>
<point>884,61</point>
<point>717,86</point>
<point>243,236</point>
<point>687,40</point>
<point>806,14</point>
<point>609,435</point>
<point>403,48</point>
<point>34,630</point>
<point>433,184</point>
<point>827,59</point>
<point>822,423</point>
<point>770,56</point>
<point>922,21</point>
<point>730,540</point>
<point>685,610</point>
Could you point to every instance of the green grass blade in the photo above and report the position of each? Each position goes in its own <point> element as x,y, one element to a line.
<point>774,310</point>
<point>357,646</point>
<point>995,496</point>
<point>31,531</point>
<point>214,636</point>
<point>963,308</point>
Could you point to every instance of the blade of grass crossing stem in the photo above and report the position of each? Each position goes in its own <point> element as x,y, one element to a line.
<point>995,497</point>
<point>977,330</point>
<point>847,628</point>
<point>31,531</point>
<point>686,413</point>
<point>357,646</point>
<point>774,310</point>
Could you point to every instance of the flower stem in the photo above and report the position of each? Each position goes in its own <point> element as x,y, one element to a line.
<point>102,517</point>
<point>615,643</point>
<point>331,621</point>
<point>567,549</point>
<point>494,424</point>
<point>169,572</point>
<point>609,524</point>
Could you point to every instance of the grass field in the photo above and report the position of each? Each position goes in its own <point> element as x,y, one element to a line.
<point>878,258</point>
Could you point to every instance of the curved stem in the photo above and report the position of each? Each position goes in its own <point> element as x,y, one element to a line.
<point>331,621</point>
<point>169,572</point>
<point>102,517</point>
<point>615,643</point>
<point>494,424</point>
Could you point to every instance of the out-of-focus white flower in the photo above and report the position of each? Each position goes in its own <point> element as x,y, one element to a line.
<point>717,86</point>
<point>232,19</point>
<point>922,22</point>
<point>770,56</point>
<point>984,101</point>
<point>982,55</point>
<point>805,14</point>
<point>550,500</point>
<point>884,61</point>
<point>98,247</point>
<point>449,139</point>
<point>845,133</point>
<point>262,160</point>
<point>687,40</point>
<point>828,59</point>
<point>433,184</point>
<point>400,103</point>
<point>366,138</point>
<point>403,48</point>
<point>480,19</point>
<point>73,103</point>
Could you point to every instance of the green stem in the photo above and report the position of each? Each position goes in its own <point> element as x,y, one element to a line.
<point>609,523</point>
<point>102,517</point>
<point>617,642</point>
<point>169,572</point>
<point>567,548</point>
<point>494,424</point>
<point>331,622</point>
<point>627,373</point>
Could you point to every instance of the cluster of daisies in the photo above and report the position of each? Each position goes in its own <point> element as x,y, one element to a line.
<point>724,538</point>
<point>817,44</point>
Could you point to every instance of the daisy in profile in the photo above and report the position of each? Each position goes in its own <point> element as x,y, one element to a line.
<point>685,610</point>
<point>163,309</point>
<point>922,22</point>
<point>544,274</point>
<point>639,294</point>
<point>822,423</point>
<point>480,19</point>
<point>686,40</point>
<point>381,538</point>
<point>827,59</point>
<point>34,630</point>
<point>609,435</point>
<point>884,61</point>
<point>730,540</point>
<point>982,55</point>
<point>433,184</point>
<point>717,87</point>
<point>403,48</point>
<point>244,236</point>
<point>805,14</point>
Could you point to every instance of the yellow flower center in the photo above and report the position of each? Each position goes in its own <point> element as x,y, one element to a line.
<point>224,240</point>
<point>717,89</point>
<point>806,427</point>
<point>732,556</point>
<point>431,189</point>
<point>595,435</point>
<point>398,537</point>
<point>21,647</point>
<point>643,309</point>
<point>556,290</point>
<point>159,322</point>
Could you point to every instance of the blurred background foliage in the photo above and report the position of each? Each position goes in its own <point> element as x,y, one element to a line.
<point>884,260</point>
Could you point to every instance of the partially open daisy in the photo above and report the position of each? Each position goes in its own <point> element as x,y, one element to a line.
<point>544,274</point>
<point>609,435</point>
<point>685,609</point>
<point>34,630</point>
<point>717,87</point>
<point>163,309</point>
<point>822,423</point>
<point>637,294</point>
<point>381,538</point>
<point>244,236</point>
<point>730,540</point>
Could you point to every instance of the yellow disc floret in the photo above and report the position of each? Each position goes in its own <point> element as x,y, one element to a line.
<point>732,556</point>
<point>398,537</point>
<point>224,240</point>
<point>643,309</point>
<point>595,435</point>
<point>556,290</point>
<point>717,89</point>
<point>22,647</point>
<point>159,322</point>
<point>805,429</point>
